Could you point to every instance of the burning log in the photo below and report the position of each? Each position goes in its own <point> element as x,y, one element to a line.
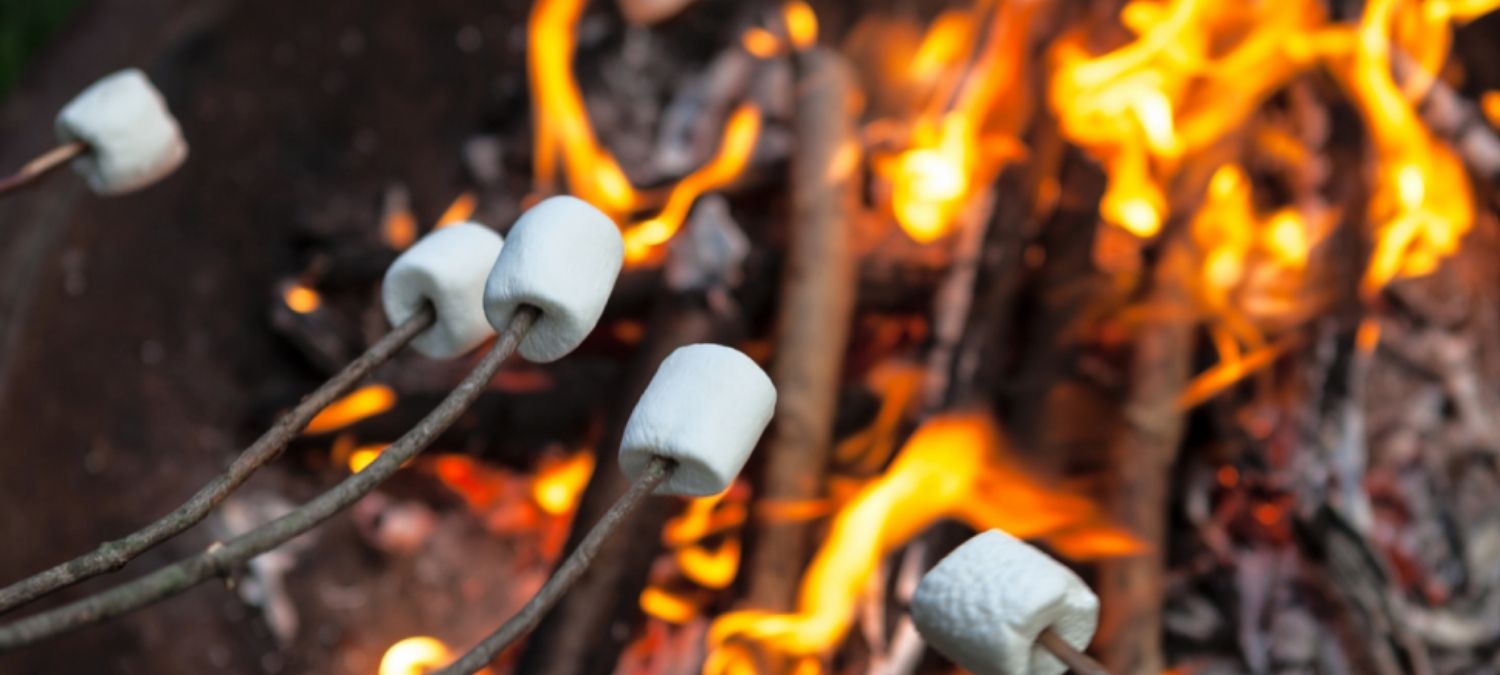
<point>1141,459</point>
<point>815,313</point>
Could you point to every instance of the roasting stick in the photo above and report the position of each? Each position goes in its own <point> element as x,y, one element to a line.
<point>115,554</point>
<point>566,575</point>
<point>222,558</point>
<point>432,292</point>
<point>44,163</point>
<point>1075,660</point>
<point>437,291</point>
<point>689,435</point>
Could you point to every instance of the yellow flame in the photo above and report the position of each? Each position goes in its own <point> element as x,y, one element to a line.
<point>740,133</point>
<point>564,135</point>
<point>301,299</point>
<point>1489,103</point>
<point>363,456</point>
<point>558,486</point>
<point>415,656</point>
<point>801,24</point>
<point>711,568</point>
<point>662,604</point>
<point>1416,227</point>
<point>1196,71</point>
<point>367,401</point>
<point>951,147</point>
<point>954,466</point>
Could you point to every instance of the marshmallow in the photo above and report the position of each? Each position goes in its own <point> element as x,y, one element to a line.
<point>706,408</point>
<point>447,268</point>
<point>133,139</point>
<point>985,604</point>
<point>562,257</point>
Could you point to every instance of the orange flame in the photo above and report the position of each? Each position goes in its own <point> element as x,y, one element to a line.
<point>363,456</point>
<point>563,132</point>
<point>1416,226</point>
<point>459,211</point>
<point>557,486</point>
<point>951,149</point>
<point>953,467</point>
<point>400,228</point>
<point>367,401</point>
<point>660,603</point>
<point>301,299</point>
<point>415,656</point>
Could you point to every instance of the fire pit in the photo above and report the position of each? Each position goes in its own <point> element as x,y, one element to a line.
<point>1193,297</point>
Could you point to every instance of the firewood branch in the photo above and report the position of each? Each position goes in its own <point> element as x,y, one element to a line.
<point>224,557</point>
<point>816,310</point>
<point>113,555</point>
<point>566,575</point>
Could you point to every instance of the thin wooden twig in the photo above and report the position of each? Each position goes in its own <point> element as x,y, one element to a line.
<point>222,558</point>
<point>1076,661</point>
<point>38,167</point>
<point>566,575</point>
<point>113,555</point>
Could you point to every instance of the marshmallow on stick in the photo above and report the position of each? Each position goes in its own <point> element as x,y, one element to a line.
<point>133,140</point>
<point>705,408</point>
<point>987,603</point>
<point>562,257</point>
<point>447,268</point>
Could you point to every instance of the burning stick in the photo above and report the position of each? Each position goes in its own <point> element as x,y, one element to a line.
<point>817,303</point>
<point>997,606</point>
<point>119,134</point>
<point>689,435</point>
<point>425,273</point>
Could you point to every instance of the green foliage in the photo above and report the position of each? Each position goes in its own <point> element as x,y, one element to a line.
<point>24,26</point>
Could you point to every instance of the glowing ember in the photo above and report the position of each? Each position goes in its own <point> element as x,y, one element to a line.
<point>301,299</point>
<point>761,43</point>
<point>415,656</point>
<point>952,467</point>
<point>367,401</point>
<point>557,486</point>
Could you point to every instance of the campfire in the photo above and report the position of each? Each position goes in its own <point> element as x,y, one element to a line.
<point>1191,301</point>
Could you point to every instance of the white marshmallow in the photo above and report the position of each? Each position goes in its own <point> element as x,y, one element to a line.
<point>706,407</point>
<point>447,268</point>
<point>133,139</point>
<point>985,604</point>
<point>562,257</point>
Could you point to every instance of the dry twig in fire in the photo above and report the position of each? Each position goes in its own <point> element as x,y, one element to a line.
<point>1194,297</point>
